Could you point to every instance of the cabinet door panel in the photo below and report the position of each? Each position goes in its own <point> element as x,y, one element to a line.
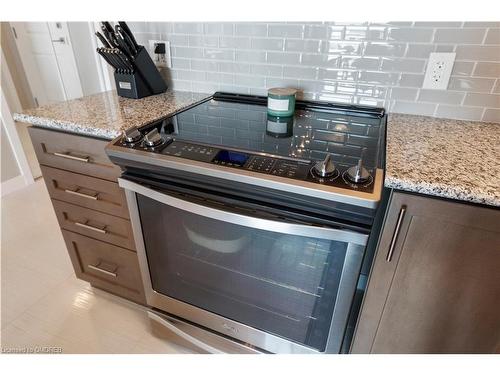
<point>445,294</point>
<point>440,292</point>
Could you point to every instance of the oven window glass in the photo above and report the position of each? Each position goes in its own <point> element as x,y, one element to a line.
<point>279,283</point>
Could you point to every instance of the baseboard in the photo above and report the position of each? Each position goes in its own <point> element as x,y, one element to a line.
<point>12,185</point>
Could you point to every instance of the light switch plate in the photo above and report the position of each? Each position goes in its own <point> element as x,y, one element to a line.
<point>439,70</point>
<point>166,61</point>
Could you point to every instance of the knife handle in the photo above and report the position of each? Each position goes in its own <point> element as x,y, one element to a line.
<point>102,39</point>
<point>127,30</point>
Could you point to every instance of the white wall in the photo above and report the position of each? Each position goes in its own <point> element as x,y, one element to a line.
<point>84,50</point>
<point>9,167</point>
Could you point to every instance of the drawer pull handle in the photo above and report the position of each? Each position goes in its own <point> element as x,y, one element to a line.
<point>86,226</point>
<point>76,192</point>
<point>84,159</point>
<point>99,269</point>
<point>395,234</point>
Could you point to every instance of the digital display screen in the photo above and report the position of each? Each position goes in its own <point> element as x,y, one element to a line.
<point>232,157</point>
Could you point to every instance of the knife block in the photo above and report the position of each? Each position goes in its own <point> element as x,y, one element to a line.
<point>144,81</point>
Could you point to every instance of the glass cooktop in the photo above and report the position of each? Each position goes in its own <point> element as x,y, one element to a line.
<point>308,135</point>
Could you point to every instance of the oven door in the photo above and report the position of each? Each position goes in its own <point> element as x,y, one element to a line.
<point>274,283</point>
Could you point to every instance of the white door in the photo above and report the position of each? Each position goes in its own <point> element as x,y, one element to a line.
<point>48,60</point>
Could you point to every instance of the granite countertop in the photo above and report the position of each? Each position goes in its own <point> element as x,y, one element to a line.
<point>106,114</point>
<point>442,157</point>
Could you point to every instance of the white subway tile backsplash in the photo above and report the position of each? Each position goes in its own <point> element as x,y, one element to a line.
<point>218,54</point>
<point>218,28</point>
<point>444,48</point>
<point>250,56</point>
<point>267,70</point>
<point>338,75</point>
<point>493,36</point>
<point>250,29</point>
<point>411,80</point>
<point>403,65</point>
<point>187,52</point>
<point>249,81</point>
<point>343,48</point>
<point>413,108</point>
<point>366,63</point>
<point>300,72</point>
<point>188,28</point>
<point>437,24</point>
<point>234,67</point>
<point>205,65</point>
<point>456,112</point>
<point>323,60</point>
<point>482,100</point>
<point>362,63</point>
<point>491,115</point>
<point>487,69</point>
<point>285,31</point>
<point>234,42</point>
<point>481,24</point>
<point>285,58</point>
<point>420,51</point>
<point>222,78</point>
<point>203,41</point>
<point>181,63</point>
<point>380,78</point>
<point>471,84</point>
<point>402,93</point>
<point>478,53</point>
<point>301,45</point>
<point>440,96</point>
<point>408,34</point>
<point>269,44</point>
<point>320,32</point>
<point>464,36</point>
<point>178,40</point>
<point>462,68</point>
<point>385,49</point>
<point>496,89</point>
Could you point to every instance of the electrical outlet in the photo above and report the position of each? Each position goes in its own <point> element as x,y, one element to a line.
<point>438,71</point>
<point>160,60</point>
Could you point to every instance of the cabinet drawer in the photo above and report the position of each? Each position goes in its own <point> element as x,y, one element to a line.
<point>73,153</point>
<point>94,224</point>
<point>105,266</point>
<point>94,193</point>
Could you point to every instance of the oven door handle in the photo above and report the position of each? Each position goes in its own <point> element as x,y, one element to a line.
<point>247,221</point>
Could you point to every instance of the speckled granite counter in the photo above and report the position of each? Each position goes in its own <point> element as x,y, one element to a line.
<point>105,114</point>
<point>446,158</point>
<point>441,157</point>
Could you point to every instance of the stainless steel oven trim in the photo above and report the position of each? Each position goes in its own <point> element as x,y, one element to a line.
<point>356,198</point>
<point>247,221</point>
<point>237,330</point>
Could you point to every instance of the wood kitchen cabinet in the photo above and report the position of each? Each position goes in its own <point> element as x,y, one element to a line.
<point>435,283</point>
<point>91,210</point>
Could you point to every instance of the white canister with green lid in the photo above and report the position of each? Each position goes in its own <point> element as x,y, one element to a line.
<point>281,101</point>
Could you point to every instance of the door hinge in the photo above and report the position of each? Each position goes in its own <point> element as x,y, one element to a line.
<point>14,31</point>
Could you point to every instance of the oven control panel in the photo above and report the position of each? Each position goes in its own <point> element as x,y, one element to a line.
<point>297,170</point>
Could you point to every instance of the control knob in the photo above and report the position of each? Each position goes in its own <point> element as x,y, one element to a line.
<point>358,174</point>
<point>132,135</point>
<point>153,138</point>
<point>325,168</point>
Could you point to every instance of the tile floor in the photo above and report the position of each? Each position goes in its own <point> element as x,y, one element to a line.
<point>42,302</point>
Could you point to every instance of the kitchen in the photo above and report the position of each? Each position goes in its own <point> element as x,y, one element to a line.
<point>251,187</point>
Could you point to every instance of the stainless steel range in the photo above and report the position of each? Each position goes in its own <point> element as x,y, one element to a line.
<point>255,227</point>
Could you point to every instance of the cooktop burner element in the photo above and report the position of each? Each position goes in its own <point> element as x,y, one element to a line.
<point>323,143</point>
